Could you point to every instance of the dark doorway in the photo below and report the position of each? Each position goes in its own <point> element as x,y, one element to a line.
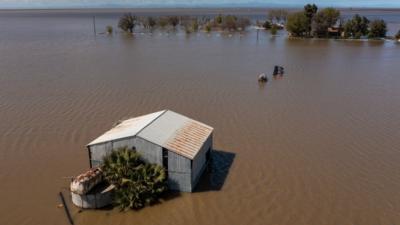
<point>208,155</point>
<point>165,158</point>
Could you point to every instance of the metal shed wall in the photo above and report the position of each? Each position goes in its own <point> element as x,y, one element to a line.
<point>97,152</point>
<point>200,161</point>
<point>150,152</point>
<point>179,172</point>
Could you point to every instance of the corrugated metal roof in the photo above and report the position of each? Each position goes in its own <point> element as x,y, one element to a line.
<point>168,129</point>
<point>127,128</point>
<point>177,133</point>
<point>189,139</point>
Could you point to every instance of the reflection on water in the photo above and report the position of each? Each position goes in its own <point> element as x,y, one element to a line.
<point>319,146</point>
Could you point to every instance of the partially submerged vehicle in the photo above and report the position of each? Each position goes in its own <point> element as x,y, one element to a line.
<point>278,70</point>
<point>262,78</point>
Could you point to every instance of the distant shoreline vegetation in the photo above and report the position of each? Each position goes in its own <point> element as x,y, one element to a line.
<point>189,24</point>
<point>328,23</point>
<point>311,22</point>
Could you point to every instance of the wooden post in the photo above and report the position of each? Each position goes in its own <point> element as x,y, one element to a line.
<point>66,209</point>
<point>257,33</point>
<point>94,25</point>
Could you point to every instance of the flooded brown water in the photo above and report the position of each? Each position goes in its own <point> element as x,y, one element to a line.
<point>319,146</point>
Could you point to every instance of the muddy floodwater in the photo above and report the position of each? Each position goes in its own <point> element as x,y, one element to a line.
<point>320,146</point>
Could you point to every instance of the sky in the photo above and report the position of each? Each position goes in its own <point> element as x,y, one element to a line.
<point>4,4</point>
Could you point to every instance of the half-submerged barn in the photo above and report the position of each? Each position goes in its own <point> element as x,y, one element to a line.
<point>180,144</point>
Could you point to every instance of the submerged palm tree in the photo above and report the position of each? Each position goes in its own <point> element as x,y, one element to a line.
<point>137,183</point>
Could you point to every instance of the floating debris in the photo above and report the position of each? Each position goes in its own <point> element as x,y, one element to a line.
<point>262,78</point>
<point>278,70</point>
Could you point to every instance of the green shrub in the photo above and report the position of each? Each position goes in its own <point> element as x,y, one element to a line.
<point>218,19</point>
<point>323,20</point>
<point>229,22</point>
<point>267,25</point>
<point>377,29</point>
<point>207,28</point>
<point>137,183</point>
<point>109,29</point>
<point>195,25</point>
<point>163,22</point>
<point>274,29</point>
<point>297,24</point>
<point>356,27</point>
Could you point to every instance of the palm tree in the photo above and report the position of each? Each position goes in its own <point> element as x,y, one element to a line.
<point>137,183</point>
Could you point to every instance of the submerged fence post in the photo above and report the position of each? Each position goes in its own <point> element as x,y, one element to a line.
<point>258,30</point>
<point>94,25</point>
<point>66,208</point>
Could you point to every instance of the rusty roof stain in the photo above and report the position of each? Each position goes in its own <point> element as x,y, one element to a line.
<point>188,140</point>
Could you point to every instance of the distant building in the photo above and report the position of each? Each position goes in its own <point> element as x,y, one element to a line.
<point>180,144</point>
<point>335,31</point>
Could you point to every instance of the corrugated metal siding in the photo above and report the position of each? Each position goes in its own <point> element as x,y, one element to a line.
<point>127,142</point>
<point>179,182</point>
<point>150,152</point>
<point>179,172</point>
<point>97,153</point>
<point>199,162</point>
<point>177,163</point>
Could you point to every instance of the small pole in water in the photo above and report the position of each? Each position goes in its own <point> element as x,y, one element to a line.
<point>66,209</point>
<point>94,25</point>
<point>258,30</point>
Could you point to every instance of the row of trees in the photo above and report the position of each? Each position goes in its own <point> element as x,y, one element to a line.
<point>360,26</point>
<point>229,22</point>
<point>311,22</point>
<point>128,22</point>
<point>327,22</point>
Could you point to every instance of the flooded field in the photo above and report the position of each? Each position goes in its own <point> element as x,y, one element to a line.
<point>319,146</point>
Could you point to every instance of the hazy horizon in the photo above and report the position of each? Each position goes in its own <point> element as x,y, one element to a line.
<point>51,4</point>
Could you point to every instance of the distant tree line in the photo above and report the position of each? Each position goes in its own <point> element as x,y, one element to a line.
<point>310,22</point>
<point>128,22</point>
<point>327,23</point>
